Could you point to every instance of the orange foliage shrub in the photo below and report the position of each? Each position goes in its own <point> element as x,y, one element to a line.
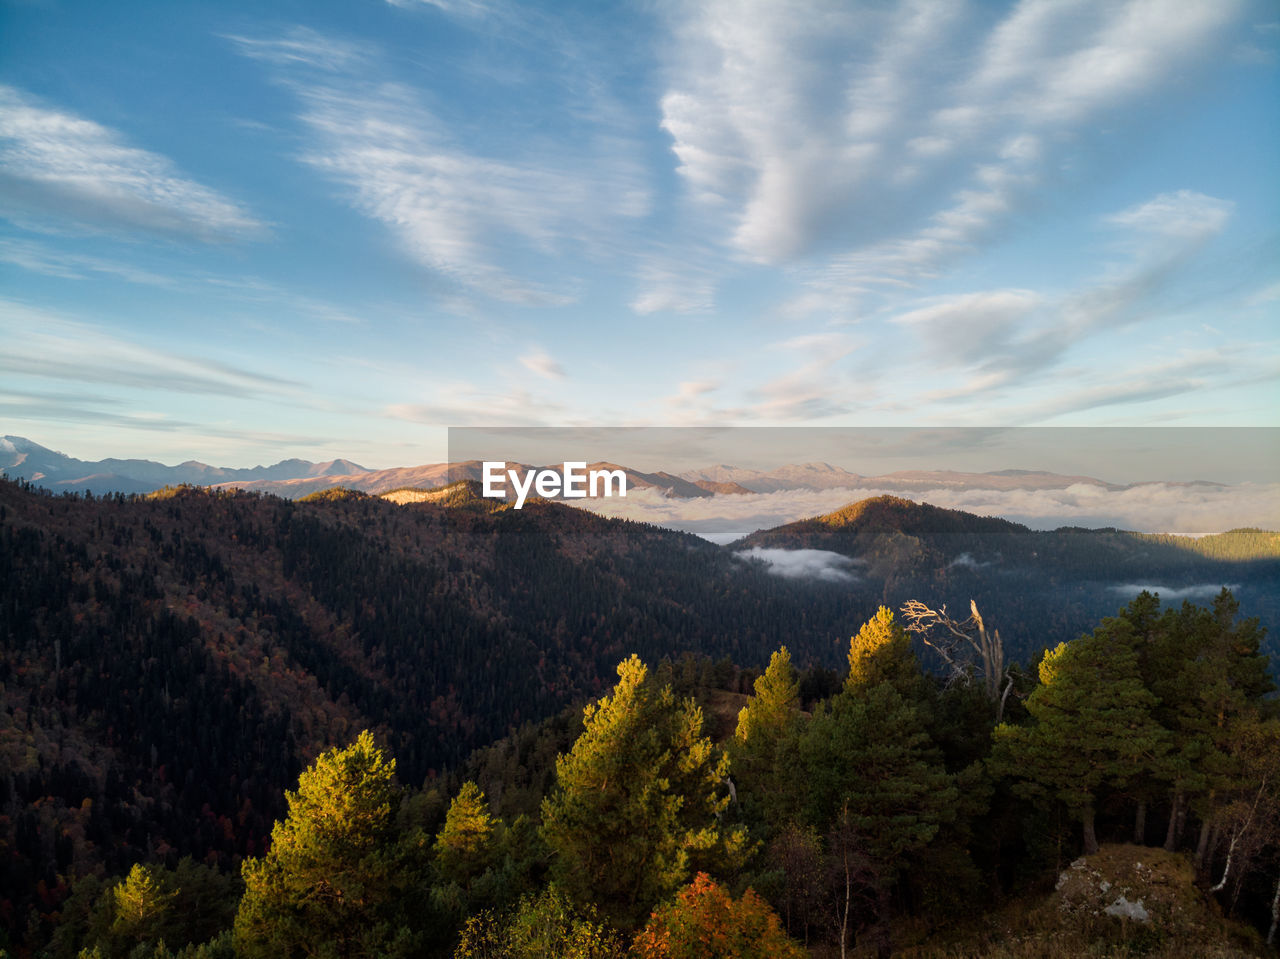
<point>705,922</point>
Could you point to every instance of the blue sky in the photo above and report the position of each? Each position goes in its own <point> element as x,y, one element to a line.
<point>244,231</point>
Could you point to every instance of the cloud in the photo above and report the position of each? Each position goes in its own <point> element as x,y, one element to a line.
<point>840,141</point>
<point>463,213</point>
<point>44,345</point>
<point>967,561</point>
<point>1006,337</point>
<point>819,564</point>
<point>464,404</point>
<point>54,163</point>
<point>65,265</point>
<point>1200,591</point>
<point>965,329</point>
<point>301,46</point>
<point>1190,371</point>
<point>41,258</point>
<point>454,8</point>
<point>542,364</point>
<point>676,287</point>
<point>1151,507</point>
<point>1183,215</point>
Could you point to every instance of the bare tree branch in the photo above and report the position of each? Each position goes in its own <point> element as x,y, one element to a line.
<point>960,643</point>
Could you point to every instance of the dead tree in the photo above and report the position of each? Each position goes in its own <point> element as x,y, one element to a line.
<point>959,643</point>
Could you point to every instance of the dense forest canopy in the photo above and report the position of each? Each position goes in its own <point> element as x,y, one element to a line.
<point>186,678</point>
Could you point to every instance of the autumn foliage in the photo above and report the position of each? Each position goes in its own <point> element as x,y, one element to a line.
<point>705,922</point>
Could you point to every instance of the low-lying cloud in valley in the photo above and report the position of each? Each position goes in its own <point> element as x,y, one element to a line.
<point>1152,507</point>
<point>819,564</point>
<point>1198,593</point>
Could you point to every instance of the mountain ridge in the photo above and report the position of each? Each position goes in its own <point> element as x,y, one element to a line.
<point>293,478</point>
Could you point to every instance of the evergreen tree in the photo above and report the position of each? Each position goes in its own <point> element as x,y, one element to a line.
<point>770,713</point>
<point>464,846</point>
<point>1206,670</point>
<point>339,881</point>
<point>875,784</point>
<point>636,801</point>
<point>1093,726</point>
<point>766,728</point>
<point>882,653</point>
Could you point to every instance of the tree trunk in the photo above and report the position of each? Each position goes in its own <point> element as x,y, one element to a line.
<point>1202,847</point>
<point>1275,915</point>
<point>1171,837</point>
<point>1090,837</point>
<point>1226,870</point>
<point>884,940</point>
<point>1140,825</point>
<point>848,902</point>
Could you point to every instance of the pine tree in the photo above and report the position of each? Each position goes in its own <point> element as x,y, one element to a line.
<point>770,713</point>
<point>766,729</point>
<point>141,909</point>
<point>882,653</point>
<point>875,785</point>
<point>339,880</point>
<point>636,800</point>
<point>1206,670</point>
<point>1093,726</point>
<point>464,846</point>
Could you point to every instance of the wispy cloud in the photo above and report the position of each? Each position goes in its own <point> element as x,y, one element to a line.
<point>844,139</point>
<point>55,163</point>
<point>44,345</point>
<point>1003,337</point>
<point>461,213</point>
<point>453,8</point>
<point>37,257</point>
<point>301,46</point>
<point>541,363</point>
<point>68,265</point>
<point>671,284</point>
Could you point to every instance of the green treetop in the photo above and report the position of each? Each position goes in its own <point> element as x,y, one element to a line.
<point>760,749</point>
<point>339,880</point>
<point>882,653</point>
<point>1093,725</point>
<point>464,846</point>
<point>771,712</point>
<point>636,800</point>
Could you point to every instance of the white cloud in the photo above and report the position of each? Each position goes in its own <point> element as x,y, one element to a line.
<point>453,8</point>
<point>1184,215</point>
<point>302,46</point>
<point>966,328</point>
<point>1173,594</point>
<point>840,132</point>
<point>464,213</point>
<point>539,362</point>
<point>670,286</point>
<point>1151,507</point>
<point>1003,338</point>
<point>54,163</point>
<point>47,346</point>
<point>819,564</point>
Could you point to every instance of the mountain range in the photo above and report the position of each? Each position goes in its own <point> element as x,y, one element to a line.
<point>23,459</point>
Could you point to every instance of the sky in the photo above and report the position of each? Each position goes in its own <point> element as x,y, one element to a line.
<point>239,232</point>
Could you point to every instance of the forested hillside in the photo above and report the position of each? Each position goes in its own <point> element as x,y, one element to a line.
<point>1046,586</point>
<point>171,663</point>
